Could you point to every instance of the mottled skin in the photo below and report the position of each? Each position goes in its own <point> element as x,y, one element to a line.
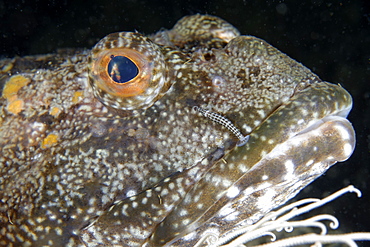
<point>83,166</point>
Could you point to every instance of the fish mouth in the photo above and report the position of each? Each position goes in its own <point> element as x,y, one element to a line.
<point>339,115</point>
<point>332,130</point>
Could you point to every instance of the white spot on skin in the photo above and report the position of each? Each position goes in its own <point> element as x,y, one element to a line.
<point>265,199</point>
<point>123,211</point>
<point>226,210</point>
<point>186,222</point>
<point>256,122</point>
<point>330,158</point>
<point>261,113</point>
<point>131,193</point>
<point>345,134</point>
<point>242,168</point>
<point>265,177</point>
<point>171,186</point>
<point>164,192</point>
<point>289,167</point>
<point>304,112</point>
<point>232,192</point>
<point>247,128</point>
<point>175,197</point>
<point>58,231</point>
<point>226,183</point>
<point>310,162</point>
<point>263,153</point>
<point>347,149</point>
<point>183,212</point>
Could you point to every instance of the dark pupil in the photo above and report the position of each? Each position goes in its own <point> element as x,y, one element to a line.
<point>121,69</point>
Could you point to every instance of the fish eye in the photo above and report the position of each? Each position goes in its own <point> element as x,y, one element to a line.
<point>128,71</point>
<point>122,69</point>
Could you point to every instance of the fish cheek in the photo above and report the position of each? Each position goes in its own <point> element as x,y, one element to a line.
<point>132,221</point>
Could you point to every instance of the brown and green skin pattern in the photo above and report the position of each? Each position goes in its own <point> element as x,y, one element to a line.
<point>102,155</point>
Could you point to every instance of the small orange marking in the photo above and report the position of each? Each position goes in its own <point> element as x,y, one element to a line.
<point>49,141</point>
<point>13,85</point>
<point>15,106</point>
<point>55,111</point>
<point>77,97</point>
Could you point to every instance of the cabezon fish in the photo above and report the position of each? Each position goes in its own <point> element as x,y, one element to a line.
<point>155,140</point>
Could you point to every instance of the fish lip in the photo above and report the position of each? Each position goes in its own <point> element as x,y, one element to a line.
<point>340,125</point>
<point>343,112</point>
<point>339,115</point>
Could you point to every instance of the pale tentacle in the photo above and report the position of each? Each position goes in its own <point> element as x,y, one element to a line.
<point>278,220</point>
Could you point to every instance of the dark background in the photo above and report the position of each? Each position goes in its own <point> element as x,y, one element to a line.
<point>332,38</point>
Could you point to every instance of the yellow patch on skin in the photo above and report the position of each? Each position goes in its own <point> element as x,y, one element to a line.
<point>49,141</point>
<point>13,85</point>
<point>77,97</point>
<point>55,111</point>
<point>15,105</point>
<point>7,68</point>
